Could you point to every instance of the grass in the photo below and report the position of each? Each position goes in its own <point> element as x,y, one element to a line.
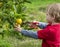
<point>35,11</point>
<point>14,42</point>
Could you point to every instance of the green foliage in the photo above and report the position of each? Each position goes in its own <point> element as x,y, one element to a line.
<point>3,43</point>
<point>10,10</point>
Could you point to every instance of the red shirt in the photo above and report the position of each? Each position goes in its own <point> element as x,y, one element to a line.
<point>50,36</point>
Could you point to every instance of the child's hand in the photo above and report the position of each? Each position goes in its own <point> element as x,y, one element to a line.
<point>34,24</point>
<point>17,28</point>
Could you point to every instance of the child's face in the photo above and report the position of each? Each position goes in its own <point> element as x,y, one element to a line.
<point>49,18</point>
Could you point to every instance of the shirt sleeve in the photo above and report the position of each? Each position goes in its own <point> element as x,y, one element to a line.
<point>42,25</point>
<point>43,34</point>
<point>30,33</point>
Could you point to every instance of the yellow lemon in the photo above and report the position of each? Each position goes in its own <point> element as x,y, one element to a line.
<point>19,21</point>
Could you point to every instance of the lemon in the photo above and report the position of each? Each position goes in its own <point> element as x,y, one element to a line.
<point>19,21</point>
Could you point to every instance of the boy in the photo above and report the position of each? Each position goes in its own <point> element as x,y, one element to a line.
<point>50,34</point>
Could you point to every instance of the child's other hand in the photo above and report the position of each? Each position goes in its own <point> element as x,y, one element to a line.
<point>34,24</point>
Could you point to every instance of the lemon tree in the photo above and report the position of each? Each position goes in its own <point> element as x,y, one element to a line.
<point>11,12</point>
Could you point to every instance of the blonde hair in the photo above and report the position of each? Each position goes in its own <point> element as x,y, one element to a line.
<point>54,11</point>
